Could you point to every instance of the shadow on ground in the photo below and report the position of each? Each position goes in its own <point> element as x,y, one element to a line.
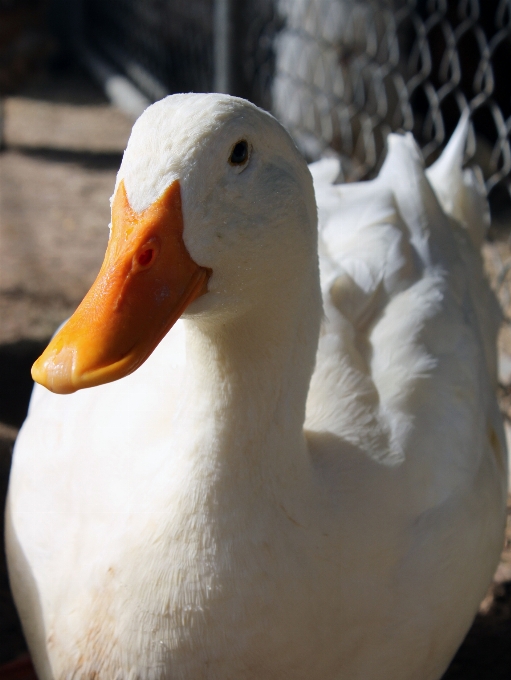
<point>92,160</point>
<point>486,652</point>
<point>16,360</point>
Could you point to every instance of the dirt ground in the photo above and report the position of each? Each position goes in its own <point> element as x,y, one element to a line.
<point>64,144</point>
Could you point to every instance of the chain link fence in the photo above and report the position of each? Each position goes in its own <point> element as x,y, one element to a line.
<point>349,72</point>
<point>162,45</point>
<point>340,74</point>
<point>170,45</point>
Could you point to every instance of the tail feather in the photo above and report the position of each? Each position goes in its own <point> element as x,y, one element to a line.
<point>461,193</point>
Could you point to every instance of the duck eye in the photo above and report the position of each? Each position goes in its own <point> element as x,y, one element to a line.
<point>239,154</point>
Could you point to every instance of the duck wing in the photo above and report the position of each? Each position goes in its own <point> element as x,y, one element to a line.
<point>406,365</point>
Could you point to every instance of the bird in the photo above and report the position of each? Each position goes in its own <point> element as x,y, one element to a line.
<point>267,443</point>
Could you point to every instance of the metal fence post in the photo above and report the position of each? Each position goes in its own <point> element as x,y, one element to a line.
<point>2,123</point>
<point>230,32</point>
<point>222,46</point>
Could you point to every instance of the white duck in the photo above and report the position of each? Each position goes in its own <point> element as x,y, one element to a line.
<point>219,513</point>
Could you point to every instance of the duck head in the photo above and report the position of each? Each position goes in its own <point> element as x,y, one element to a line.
<point>213,213</point>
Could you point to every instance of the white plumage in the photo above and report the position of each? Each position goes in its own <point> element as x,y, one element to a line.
<point>215,516</point>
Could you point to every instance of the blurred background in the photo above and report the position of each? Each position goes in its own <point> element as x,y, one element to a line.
<point>339,74</point>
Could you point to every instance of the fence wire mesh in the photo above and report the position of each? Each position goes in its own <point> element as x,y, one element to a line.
<point>166,44</point>
<point>340,74</point>
<point>349,72</point>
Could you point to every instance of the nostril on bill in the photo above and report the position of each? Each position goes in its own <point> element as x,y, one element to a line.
<point>146,257</point>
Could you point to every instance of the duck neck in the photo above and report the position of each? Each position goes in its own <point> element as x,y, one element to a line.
<point>250,378</point>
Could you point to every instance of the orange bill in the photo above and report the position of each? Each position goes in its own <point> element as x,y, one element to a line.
<point>145,283</point>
